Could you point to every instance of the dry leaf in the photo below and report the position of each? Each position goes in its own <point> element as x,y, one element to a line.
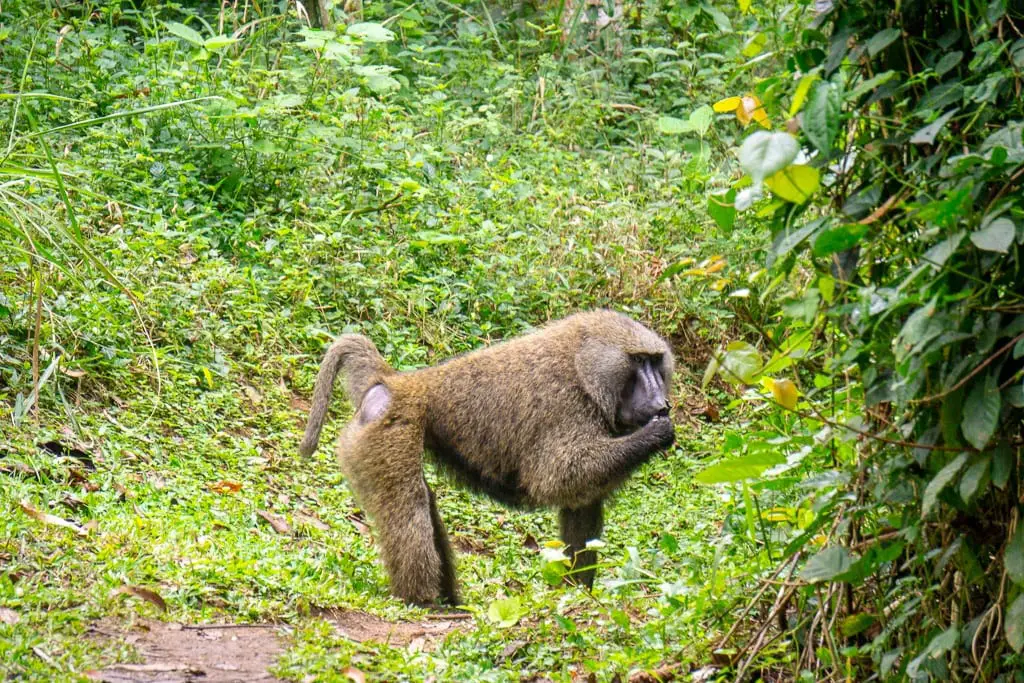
<point>358,523</point>
<point>354,675</point>
<point>254,396</point>
<point>47,518</point>
<point>149,596</point>
<point>310,520</point>
<point>225,486</point>
<point>9,616</point>
<point>278,523</point>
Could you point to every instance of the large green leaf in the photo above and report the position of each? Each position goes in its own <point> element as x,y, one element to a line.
<point>839,238</point>
<point>982,414</point>
<point>506,612</point>
<point>926,135</point>
<point>975,479</point>
<point>827,564</point>
<point>1015,624</point>
<point>182,31</point>
<point>371,32</point>
<point>737,469</point>
<point>821,116</point>
<point>762,154</point>
<point>941,481</point>
<point>998,235</point>
<point>740,363</point>
<point>722,209</point>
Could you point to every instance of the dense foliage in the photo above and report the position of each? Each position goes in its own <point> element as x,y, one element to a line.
<point>819,203</point>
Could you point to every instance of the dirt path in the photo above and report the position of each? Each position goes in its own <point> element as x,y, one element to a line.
<point>226,653</point>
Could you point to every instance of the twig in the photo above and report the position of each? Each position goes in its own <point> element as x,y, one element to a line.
<point>985,363</point>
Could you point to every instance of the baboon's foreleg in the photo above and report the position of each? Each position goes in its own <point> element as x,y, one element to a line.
<point>577,527</point>
<point>384,465</point>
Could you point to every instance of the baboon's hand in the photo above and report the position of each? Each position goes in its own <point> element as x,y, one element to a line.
<point>661,431</point>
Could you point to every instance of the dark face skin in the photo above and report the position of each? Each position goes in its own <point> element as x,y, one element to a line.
<point>643,395</point>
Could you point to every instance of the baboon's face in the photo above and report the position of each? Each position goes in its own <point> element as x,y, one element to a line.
<point>643,395</point>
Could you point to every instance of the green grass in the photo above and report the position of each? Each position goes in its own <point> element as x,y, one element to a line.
<point>434,220</point>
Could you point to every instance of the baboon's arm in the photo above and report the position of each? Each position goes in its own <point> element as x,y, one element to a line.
<point>589,468</point>
<point>579,526</point>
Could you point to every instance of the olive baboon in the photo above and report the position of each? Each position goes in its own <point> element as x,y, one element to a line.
<point>559,417</point>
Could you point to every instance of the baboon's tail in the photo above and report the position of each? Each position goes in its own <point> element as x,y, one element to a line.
<point>362,364</point>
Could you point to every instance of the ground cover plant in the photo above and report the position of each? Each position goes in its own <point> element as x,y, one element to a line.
<point>816,203</point>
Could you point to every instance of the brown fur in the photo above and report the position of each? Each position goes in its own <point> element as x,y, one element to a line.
<point>531,421</point>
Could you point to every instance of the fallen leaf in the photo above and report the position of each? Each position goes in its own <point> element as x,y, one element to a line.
<point>149,596</point>
<point>9,616</point>
<point>358,523</point>
<point>277,523</point>
<point>225,486</point>
<point>310,520</point>
<point>47,518</point>
<point>354,674</point>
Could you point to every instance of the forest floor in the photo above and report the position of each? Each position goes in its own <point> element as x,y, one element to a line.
<point>157,522</point>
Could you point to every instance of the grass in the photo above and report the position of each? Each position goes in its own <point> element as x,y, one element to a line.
<point>435,220</point>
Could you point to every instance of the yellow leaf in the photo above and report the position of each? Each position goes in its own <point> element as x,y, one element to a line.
<point>800,96</point>
<point>754,45</point>
<point>728,104</point>
<point>744,5</point>
<point>715,267</point>
<point>795,183</point>
<point>785,393</point>
<point>719,285</point>
<point>751,109</point>
<point>695,271</point>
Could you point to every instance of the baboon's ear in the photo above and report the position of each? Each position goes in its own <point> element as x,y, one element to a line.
<point>603,370</point>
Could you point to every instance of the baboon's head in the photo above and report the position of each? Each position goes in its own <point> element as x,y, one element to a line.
<point>643,394</point>
<point>626,370</point>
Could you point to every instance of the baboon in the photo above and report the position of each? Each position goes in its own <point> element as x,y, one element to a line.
<point>558,417</point>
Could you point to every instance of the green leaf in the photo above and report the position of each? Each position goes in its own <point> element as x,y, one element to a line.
<point>821,116</point>
<point>998,235</point>
<point>507,612</point>
<point>857,623</point>
<point>740,363</point>
<point>738,469</point>
<point>827,564</point>
<point>980,421</point>
<point>722,209</point>
<point>219,42</point>
<point>882,40</point>
<point>800,95</point>
<point>940,253</point>
<point>795,183</point>
<point>839,238</point>
<point>670,125</point>
<point>940,482</point>
<point>1014,557</point>
<point>182,31</point>
<point>948,61</point>
<point>975,479</point>
<point>1015,624</point>
<point>763,154</point>
<point>701,118</point>
<point>1002,465</point>
<point>709,372</point>
<point>926,135</point>
<point>371,32</point>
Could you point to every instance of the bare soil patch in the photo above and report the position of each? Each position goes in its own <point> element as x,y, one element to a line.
<point>362,627</point>
<point>173,653</point>
<point>228,653</point>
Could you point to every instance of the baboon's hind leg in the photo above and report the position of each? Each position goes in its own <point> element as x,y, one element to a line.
<point>384,466</point>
